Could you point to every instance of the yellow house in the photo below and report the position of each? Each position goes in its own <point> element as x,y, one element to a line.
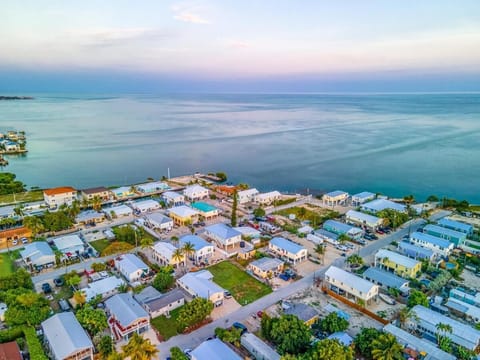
<point>182,215</point>
<point>266,267</point>
<point>304,312</point>
<point>399,264</point>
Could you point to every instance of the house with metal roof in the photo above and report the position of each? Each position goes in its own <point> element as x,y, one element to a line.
<point>455,225</point>
<point>156,303</point>
<point>248,232</point>
<point>287,250</point>
<point>172,198</point>
<point>464,310</point>
<point>426,322</point>
<point>246,196</point>
<point>38,254</point>
<point>69,245</point>
<point>203,249</point>
<point>200,284</point>
<point>441,247</point>
<point>126,317</point>
<point>427,349</point>
<point>415,252</point>
<point>304,312</point>
<point>397,263</point>
<point>163,254</point>
<point>65,338</point>
<point>267,198</point>
<point>123,192</point>
<point>258,348</point>
<point>363,197</point>
<point>214,349</point>
<point>470,297</point>
<point>195,192</point>
<point>152,187</point>
<point>105,288</point>
<point>382,204</point>
<point>266,267</point>
<point>206,211</point>
<point>158,221</point>
<point>144,206</point>
<point>132,267</point>
<point>340,228</point>
<point>386,279</point>
<point>350,285</point>
<point>183,214</point>
<point>224,235</point>
<point>342,337</point>
<point>89,217</point>
<point>456,237</point>
<point>118,211</point>
<point>327,236</point>
<point>336,197</point>
<point>364,220</point>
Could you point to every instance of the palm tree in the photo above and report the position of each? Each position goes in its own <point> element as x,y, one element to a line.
<point>74,209</point>
<point>188,249</point>
<point>443,341</point>
<point>96,203</point>
<point>178,256</point>
<point>406,314</point>
<point>115,356</point>
<point>320,250</point>
<point>34,224</point>
<point>18,210</point>
<point>139,348</point>
<point>146,242</point>
<point>386,347</point>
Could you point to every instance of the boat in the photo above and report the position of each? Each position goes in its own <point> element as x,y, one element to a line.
<point>387,299</point>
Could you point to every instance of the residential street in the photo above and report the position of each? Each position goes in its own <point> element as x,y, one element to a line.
<point>195,338</point>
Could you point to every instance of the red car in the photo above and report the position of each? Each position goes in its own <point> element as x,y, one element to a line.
<point>260,314</point>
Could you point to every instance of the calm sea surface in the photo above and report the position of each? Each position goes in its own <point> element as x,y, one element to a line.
<point>394,144</point>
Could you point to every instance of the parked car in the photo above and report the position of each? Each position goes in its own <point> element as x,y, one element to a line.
<point>14,242</point>
<point>227,294</point>
<point>260,314</point>
<point>240,326</point>
<point>284,277</point>
<point>47,289</point>
<point>24,240</point>
<point>58,282</point>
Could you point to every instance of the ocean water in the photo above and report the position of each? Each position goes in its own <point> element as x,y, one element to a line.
<point>398,144</point>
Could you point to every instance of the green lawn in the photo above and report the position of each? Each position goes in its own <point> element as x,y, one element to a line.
<point>316,218</point>
<point>100,245</point>
<point>166,326</point>
<point>244,288</point>
<point>6,264</point>
<point>29,196</point>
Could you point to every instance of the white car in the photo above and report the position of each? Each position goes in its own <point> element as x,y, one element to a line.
<point>24,240</point>
<point>14,242</point>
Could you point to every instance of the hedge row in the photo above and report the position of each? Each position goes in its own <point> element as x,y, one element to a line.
<point>34,346</point>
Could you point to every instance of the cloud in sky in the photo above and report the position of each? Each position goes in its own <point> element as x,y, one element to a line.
<point>188,13</point>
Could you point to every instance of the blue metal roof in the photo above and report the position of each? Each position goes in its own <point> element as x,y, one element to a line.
<point>414,250</point>
<point>197,242</point>
<point>287,245</point>
<point>431,239</point>
<point>383,277</point>
<point>333,225</point>
<point>444,231</point>
<point>336,193</point>
<point>223,231</point>
<point>214,349</point>
<point>455,225</point>
<point>363,195</point>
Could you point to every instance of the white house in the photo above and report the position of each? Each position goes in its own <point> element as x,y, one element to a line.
<point>118,211</point>
<point>223,235</point>
<point>38,254</point>
<point>156,303</point>
<point>258,348</point>
<point>267,198</point>
<point>363,197</point>
<point>203,249</point>
<point>151,187</point>
<point>158,221</point>
<point>126,316</point>
<point>56,197</point>
<point>163,254</point>
<point>246,196</point>
<point>382,204</point>
<point>439,246</point>
<point>336,197</point>
<point>288,250</point>
<point>131,267</point>
<point>350,285</point>
<point>66,339</point>
<point>105,287</point>
<point>145,206</point>
<point>173,198</point>
<point>362,219</point>
<point>214,349</point>
<point>195,192</point>
<point>69,245</point>
<point>200,284</point>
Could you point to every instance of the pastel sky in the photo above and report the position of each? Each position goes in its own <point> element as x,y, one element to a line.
<point>311,42</point>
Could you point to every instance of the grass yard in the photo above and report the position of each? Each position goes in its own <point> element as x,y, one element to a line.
<point>316,218</point>
<point>244,288</point>
<point>167,327</point>
<point>6,264</point>
<point>29,196</point>
<point>100,245</point>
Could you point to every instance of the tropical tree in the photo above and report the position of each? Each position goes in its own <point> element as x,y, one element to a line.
<point>178,256</point>
<point>175,240</point>
<point>34,224</point>
<point>93,320</point>
<point>74,209</point>
<point>26,307</point>
<point>139,348</point>
<point>259,212</point>
<point>404,315</point>
<point>163,281</point>
<point>328,349</point>
<point>355,259</point>
<point>18,210</point>
<point>194,312</point>
<point>115,356</point>
<point>343,238</point>
<point>233,219</point>
<point>386,347</point>
<point>177,354</point>
<point>79,297</point>
<point>231,336</point>
<point>188,249</point>
<point>320,250</point>
<point>417,297</point>
<point>146,242</point>
<point>289,334</point>
<point>465,354</point>
<point>96,203</point>
<point>105,346</point>
<point>444,342</point>
<point>363,341</point>
<point>331,323</point>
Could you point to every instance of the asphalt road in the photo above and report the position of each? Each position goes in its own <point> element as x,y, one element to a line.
<point>194,339</point>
